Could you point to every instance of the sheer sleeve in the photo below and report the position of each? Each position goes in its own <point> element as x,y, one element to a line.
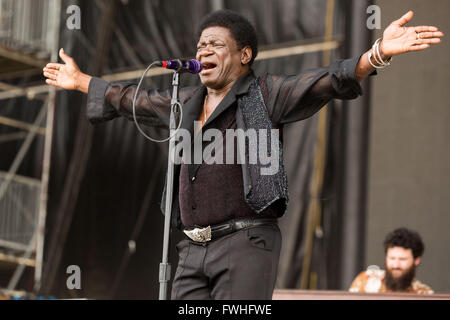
<point>107,101</point>
<point>294,98</point>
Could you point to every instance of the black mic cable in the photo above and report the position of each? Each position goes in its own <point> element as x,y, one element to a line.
<point>156,63</point>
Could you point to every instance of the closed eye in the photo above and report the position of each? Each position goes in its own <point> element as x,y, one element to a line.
<point>212,44</point>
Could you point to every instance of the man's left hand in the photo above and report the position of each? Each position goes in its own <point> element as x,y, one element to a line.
<point>400,39</point>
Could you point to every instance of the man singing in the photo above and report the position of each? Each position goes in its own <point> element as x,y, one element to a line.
<point>229,211</point>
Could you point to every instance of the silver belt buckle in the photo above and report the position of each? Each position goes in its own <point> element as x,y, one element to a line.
<point>199,234</point>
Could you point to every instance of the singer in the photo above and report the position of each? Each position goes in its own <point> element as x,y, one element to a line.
<point>229,211</point>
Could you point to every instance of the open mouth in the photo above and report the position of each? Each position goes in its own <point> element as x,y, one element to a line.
<point>208,66</point>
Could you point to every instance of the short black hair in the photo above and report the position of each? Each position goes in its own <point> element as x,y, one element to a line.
<point>407,239</point>
<point>240,28</point>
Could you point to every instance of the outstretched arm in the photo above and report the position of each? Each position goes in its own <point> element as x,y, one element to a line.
<point>299,97</point>
<point>399,39</point>
<point>106,101</point>
<point>67,76</point>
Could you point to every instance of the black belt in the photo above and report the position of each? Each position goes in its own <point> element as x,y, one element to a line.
<point>219,230</point>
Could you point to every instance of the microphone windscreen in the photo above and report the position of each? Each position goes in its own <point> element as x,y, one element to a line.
<point>195,66</point>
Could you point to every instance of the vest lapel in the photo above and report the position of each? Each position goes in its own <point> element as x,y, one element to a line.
<point>227,101</point>
<point>192,109</point>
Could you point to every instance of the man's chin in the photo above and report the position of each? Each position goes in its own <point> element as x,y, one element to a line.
<point>399,280</point>
<point>209,81</point>
<point>206,79</point>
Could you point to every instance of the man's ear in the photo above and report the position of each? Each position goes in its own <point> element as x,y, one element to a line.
<point>246,55</point>
<point>417,261</point>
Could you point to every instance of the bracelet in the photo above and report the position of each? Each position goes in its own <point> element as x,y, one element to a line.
<point>380,63</point>
<point>375,53</point>
<point>371,63</point>
<point>385,63</point>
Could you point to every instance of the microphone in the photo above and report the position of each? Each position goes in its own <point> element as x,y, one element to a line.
<point>192,66</point>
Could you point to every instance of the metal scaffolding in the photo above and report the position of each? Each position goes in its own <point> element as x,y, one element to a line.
<point>29,36</point>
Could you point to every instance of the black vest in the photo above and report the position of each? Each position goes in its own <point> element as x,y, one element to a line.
<point>260,190</point>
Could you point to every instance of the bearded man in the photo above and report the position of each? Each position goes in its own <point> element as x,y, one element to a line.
<point>403,249</point>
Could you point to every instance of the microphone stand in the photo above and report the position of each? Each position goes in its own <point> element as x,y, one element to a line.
<point>165,266</point>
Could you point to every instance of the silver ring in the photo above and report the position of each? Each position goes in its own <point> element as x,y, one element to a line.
<point>418,35</point>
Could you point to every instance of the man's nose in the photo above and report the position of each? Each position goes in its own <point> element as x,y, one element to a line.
<point>205,52</point>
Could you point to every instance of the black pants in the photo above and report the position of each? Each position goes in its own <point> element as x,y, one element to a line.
<point>241,265</point>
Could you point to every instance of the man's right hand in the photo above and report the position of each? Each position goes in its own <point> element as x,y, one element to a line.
<point>67,76</point>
